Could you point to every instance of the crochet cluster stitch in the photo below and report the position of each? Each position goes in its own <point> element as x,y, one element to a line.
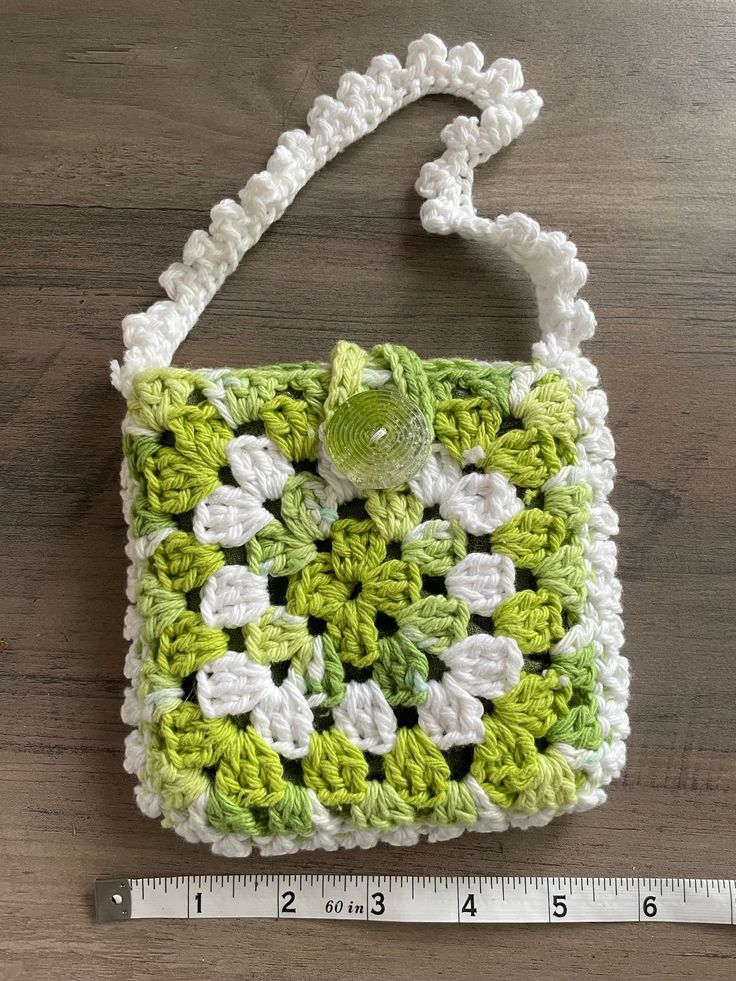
<point>317,665</point>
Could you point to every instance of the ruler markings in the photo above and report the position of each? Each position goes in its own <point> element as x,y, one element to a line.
<point>439,899</point>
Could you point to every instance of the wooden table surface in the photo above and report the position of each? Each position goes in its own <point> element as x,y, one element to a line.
<point>121,127</point>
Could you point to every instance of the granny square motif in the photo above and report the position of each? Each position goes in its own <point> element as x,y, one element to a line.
<point>316,663</point>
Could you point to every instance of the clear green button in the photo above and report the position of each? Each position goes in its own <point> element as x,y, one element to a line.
<point>378,438</point>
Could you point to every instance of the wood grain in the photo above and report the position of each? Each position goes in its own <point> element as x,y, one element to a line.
<point>123,123</point>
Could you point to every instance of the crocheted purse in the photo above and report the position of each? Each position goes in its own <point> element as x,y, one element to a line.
<point>317,664</point>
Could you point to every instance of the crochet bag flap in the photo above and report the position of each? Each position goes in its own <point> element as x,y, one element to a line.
<point>372,599</point>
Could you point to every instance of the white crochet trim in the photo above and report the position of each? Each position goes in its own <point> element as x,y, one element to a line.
<point>363,102</point>
<point>151,339</point>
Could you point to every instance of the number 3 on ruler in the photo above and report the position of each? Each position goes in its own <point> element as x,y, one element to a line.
<point>379,906</point>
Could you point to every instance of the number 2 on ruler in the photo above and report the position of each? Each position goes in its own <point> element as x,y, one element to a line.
<point>287,902</point>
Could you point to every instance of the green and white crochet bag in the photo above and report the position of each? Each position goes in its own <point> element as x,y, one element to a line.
<point>372,599</point>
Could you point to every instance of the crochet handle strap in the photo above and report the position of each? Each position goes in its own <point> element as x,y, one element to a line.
<point>151,338</point>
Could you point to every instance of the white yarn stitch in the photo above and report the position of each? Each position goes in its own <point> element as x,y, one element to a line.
<point>339,489</point>
<point>259,466</point>
<point>233,596</point>
<point>284,719</point>
<point>485,666</point>
<point>482,580</point>
<point>232,685</point>
<point>481,502</point>
<point>231,516</point>
<point>366,718</point>
<point>450,715</point>
<point>438,477</point>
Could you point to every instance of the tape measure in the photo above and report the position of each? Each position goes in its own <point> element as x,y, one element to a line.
<point>419,899</point>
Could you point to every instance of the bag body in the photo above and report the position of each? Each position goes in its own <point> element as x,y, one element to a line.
<point>318,661</point>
